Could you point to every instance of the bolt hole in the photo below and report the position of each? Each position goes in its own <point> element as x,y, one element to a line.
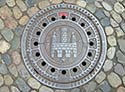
<point>84,63</point>
<point>74,69</point>
<point>82,24</point>
<point>44,24</point>
<point>38,33</point>
<point>53,70</point>
<point>53,19</point>
<point>43,63</point>
<point>73,19</point>
<point>63,17</point>
<point>63,72</point>
<point>89,54</point>
<point>37,54</point>
<point>91,43</point>
<point>88,33</point>
<point>36,43</point>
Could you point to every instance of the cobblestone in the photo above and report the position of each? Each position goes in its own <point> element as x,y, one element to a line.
<point>1,24</point>
<point>119,69</point>
<point>108,65</point>
<point>111,52</point>
<point>100,77</point>
<point>4,46</point>
<point>8,80</point>
<point>10,3</point>
<point>1,80</point>
<point>17,12</point>
<point>81,3</point>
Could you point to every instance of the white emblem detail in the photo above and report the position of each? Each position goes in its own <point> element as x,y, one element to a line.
<point>64,45</point>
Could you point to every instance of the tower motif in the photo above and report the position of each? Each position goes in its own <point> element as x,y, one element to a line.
<point>64,44</point>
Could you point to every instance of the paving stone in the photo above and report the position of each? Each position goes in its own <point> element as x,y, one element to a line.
<point>3,69</point>
<point>19,30</point>
<point>21,5</point>
<point>16,57</point>
<point>1,80</point>
<point>10,3</point>
<point>23,21</point>
<point>121,57</point>
<point>4,89</point>
<point>123,79</point>
<point>11,25</point>
<point>105,87</point>
<point>22,85</point>
<point>121,89</point>
<point>31,11</point>
<point>91,8</point>
<point>119,32</point>
<point>114,23</point>
<point>5,12</point>
<point>108,65</point>
<point>105,21</point>
<point>33,91</point>
<point>4,46</point>
<point>90,1</point>
<point>75,90</point>
<point>123,26</point>
<point>81,3</point>
<point>114,80</point>
<point>98,4</point>
<point>2,2</point>
<point>14,89</point>
<point>43,4</point>
<point>119,8</point>
<point>111,52</point>
<point>123,15</point>
<point>109,30</point>
<point>112,40</point>
<point>0,36</point>
<point>56,1</point>
<point>71,1</point>
<point>1,24</point>
<point>121,43</point>
<point>7,34</point>
<point>107,6</point>
<point>119,69</point>
<point>60,91</point>
<point>8,80</point>
<point>44,88</point>
<point>90,87</point>
<point>99,14</point>
<point>107,13</point>
<point>100,77</point>
<point>31,3</point>
<point>6,58</point>
<point>33,83</point>
<point>17,13</point>
<point>15,43</point>
<point>13,70</point>
<point>116,17</point>
<point>23,71</point>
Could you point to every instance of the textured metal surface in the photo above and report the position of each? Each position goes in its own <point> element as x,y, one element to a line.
<point>63,46</point>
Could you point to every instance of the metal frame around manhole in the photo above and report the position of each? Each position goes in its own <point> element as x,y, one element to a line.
<point>63,46</point>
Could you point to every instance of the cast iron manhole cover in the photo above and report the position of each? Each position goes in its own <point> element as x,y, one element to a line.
<point>63,46</point>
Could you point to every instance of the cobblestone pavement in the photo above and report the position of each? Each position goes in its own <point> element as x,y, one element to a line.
<point>14,15</point>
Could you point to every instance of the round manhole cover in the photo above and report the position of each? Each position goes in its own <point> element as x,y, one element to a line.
<point>63,46</point>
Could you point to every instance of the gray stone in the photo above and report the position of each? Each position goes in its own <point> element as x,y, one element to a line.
<point>76,90</point>
<point>1,80</point>
<point>114,80</point>
<point>13,70</point>
<point>15,43</point>
<point>105,87</point>
<point>121,43</point>
<point>105,21</point>
<point>45,89</point>
<point>22,85</point>
<point>90,1</point>
<point>2,2</point>
<point>14,89</point>
<point>3,69</point>
<point>111,52</point>
<point>112,40</point>
<point>7,34</point>
<point>4,89</point>
<point>6,58</point>
<point>119,32</point>
<point>60,91</point>
<point>123,26</point>
<point>121,57</point>
<point>18,31</point>
<point>91,86</point>
<point>107,6</point>
<point>91,8</point>
<point>113,22</point>
<point>116,17</point>
<point>108,65</point>
<point>23,71</point>
<point>99,14</point>
<point>100,77</point>
<point>119,8</point>
<point>119,70</point>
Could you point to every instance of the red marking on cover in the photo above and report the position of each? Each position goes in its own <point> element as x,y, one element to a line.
<point>63,14</point>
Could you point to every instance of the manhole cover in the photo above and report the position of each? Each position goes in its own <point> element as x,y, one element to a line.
<point>63,46</point>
